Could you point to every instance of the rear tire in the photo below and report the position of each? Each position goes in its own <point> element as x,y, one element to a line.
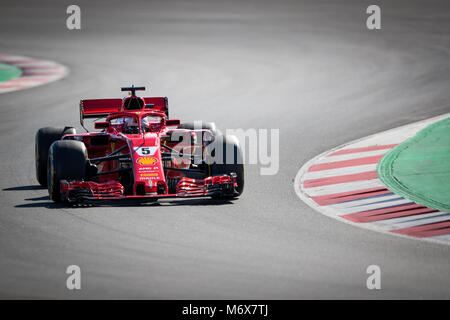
<point>44,138</point>
<point>66,161</point>
<point>236,165</point>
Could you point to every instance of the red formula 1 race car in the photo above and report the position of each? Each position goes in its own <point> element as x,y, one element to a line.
<point>137,153</point>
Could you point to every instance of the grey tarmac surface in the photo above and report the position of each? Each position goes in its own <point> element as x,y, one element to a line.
<point>308,68</point>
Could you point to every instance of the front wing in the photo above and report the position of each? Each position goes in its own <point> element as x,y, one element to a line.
<point>79,191</point>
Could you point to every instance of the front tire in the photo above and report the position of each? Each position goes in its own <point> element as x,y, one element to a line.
<point>229,160</point>
<point>66,161</point>
<point>44,138</point>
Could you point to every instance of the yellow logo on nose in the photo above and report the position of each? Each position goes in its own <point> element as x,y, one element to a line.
<point>146,160</point>
<point>153,174</point>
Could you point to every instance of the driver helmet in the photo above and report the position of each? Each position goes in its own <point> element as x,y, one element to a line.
<point>145,124</point>
<point>130,125</point>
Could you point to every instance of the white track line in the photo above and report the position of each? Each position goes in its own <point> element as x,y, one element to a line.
<point>414,221</point>
<point>340,171</point>
<point>345,209</point>
<point>342,187</point>
<point>351,156</point>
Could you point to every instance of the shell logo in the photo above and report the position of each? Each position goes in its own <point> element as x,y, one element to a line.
<point>146,160</point>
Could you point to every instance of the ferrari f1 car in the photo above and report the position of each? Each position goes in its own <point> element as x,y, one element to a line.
<point>138,153</point>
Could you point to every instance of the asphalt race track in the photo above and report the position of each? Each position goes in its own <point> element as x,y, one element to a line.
<point>309,68</point>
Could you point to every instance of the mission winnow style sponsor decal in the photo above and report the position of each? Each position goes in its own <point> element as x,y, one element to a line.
<point>343,184</point>
<point>34,73</point>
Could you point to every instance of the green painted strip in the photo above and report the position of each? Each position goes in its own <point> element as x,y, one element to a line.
<point>419,168</point>
<point>8,71</point>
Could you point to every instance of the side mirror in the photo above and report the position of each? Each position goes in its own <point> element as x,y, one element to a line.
<point>101,125</point>
<point>173,122</point>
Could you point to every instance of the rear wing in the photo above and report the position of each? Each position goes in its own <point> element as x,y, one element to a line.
<point>160,104</point>
<point>98,108</point>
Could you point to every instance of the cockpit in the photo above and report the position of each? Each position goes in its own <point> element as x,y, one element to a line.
<point>129,124</point>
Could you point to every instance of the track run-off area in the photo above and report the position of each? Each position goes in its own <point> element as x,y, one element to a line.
<point>344,184</point>
<point>24,72</point>
<point>310,69</point>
